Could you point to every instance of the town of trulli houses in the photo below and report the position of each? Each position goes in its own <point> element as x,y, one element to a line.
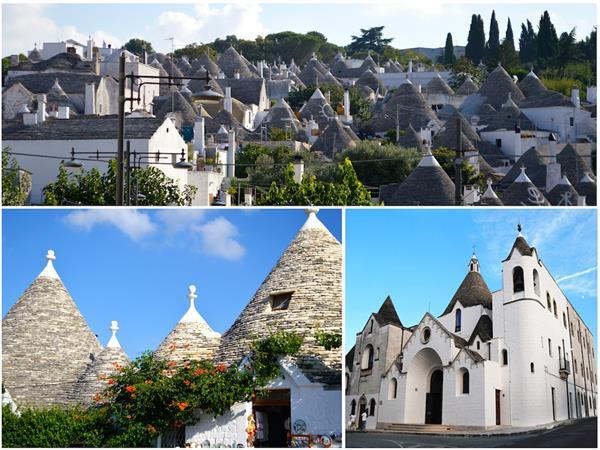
<point>498,110</point>
<point>271,378</point>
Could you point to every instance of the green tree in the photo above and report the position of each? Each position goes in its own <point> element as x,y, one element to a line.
<point>193,51</point>
<point>446,157</point>
<point>91,188</point>
<point>449,57</point>
<point>568,51</point>
<point>370,39</point>
<point>476,40</point>
<point>509,58</point>
<point>137,46</point>
<point>462,69</point>
<point>492,47</point>
<point>546,40</point>
<point>527,44</point>
<point>16,184</point>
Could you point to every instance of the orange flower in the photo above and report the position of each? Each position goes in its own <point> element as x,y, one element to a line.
<point>186,382</point>
<point>221,368</point>
<point>151,429</point>
<point>199,372</point>
<point>171,364</point>
<point>182,405</point>
<point>111,381</point>
<point>96,398</point>
<point>130,388</point>
<point>132,395</point>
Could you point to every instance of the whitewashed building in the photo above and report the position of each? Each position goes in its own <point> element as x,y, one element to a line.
<point>520,356</point>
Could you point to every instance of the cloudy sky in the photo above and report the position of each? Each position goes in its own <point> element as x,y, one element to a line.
<point>134,266</point>
<point>420,257</point>
<point>411,24</point>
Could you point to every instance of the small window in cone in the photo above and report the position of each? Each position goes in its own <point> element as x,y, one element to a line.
<point>280,301</point>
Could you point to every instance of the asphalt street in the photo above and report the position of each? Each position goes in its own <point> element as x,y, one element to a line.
<point>582,434</point>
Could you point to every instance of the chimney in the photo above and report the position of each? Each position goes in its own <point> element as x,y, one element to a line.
<point>410,66</point>
<point>552,143</point>
<point>347,104</point>
<point>553,169</point>
<point>41,111</point>
<point>231,148</point>
<point>581,200</point>
<point>228,101</point>
<point>328,96</point>
<point>419,88</point>
<point>29,118</point>
<point>144,56</point>
<point>591,94</point>
<point>199,136</point>
<point>63,112</point>
<point>261,67</point>
<point>236,75</point>
<point>90,49</point>
<point>90,99</point>
<point>575,97</point>
<point>313,131</point>
<point>298,168</point>
<point>14,60</point>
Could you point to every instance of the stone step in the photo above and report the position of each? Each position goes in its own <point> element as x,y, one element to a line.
<point>417,428</point>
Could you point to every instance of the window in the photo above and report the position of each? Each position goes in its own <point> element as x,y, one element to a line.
<point>425,335</point>
<point>392,389</point>
<point>465,382</point>
<point>347,383</point>
<point>377,354</point>
<point>281,301</point>
<point>458,320</point>
<point>575,365</point>
<point>371,327</point>
<point>550,347</point>
<point>504,357</point>
<point>499,143</point>
<point>518,282</point>
<point>554,307</point>
<point>565,320</point>
<point>536,282</point>
<point>478,345</point>
<point>548,301</point>
<point>367,358</point>
<point>571,121</point>
<point>353,407</point>
<point>531,367</point>
<point>372,407</point>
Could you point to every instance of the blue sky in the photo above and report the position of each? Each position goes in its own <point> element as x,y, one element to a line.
<point>134,266</point>
<point>420,257</point>
<point>424,23</point>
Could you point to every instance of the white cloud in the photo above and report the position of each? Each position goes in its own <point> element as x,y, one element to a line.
<point>176,220</point>
<point>135,224</point>
<point>24,25</point>
<point>576,274</point>
<point>208,23</point>
<point>218,238</point>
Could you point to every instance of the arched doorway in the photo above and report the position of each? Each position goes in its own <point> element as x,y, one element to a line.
<point>433,399</point>
<point>362,405</point>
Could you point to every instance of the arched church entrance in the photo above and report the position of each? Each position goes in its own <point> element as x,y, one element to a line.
<point>433,399</point>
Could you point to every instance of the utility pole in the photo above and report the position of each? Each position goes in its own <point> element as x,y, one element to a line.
<point>458,166</point>
<point>172,39</point>
<point>121,130</point>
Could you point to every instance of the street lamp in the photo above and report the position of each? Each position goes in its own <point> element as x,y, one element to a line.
<point>182,163</point>
<point>73,163</point>
<point>208,94</point>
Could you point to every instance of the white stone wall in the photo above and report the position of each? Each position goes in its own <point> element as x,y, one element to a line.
<point>226,429</point>
<point>469,318</point>
<point>147,92</point>
<point>558,119</point>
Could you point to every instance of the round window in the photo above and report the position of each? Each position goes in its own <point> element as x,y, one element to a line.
<point>425,335</point>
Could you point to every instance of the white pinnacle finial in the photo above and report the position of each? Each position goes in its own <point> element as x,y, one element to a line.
<point>113,341</point>
<point>192,293</point>
<point>192,315</point>
<point>49,270</point>
<point>312,221</point>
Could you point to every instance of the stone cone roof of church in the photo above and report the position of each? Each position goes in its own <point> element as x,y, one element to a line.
<point>311,269</point>
<point>522,192</point>
<point>35,55</point>
<point>563,194</point>
<point>587,186</point>
<point>535,168</point>
<point>521,246</point>
<point>369,79</point>
<point>573,165</point>
<point>95,378</point>
<point>192,339</point>
<point>387,314</point>
<point>472,291</point>
<point>483,329</point>
<point>427,185</point>
<point>46,343</point>
<point>334,139</point>
<point>437,85</point>
<point>531,85</point>
<point>231,62</point>
<point>467,87</point>
<point>178,104</point>
<point>414,110</point>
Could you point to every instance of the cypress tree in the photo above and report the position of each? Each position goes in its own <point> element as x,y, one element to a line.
<point>493,44</point>
<point>449,57</point>
<point>547,40</point>
<point>527,43</point>
<point>475,40</point>
<point>508,55</point>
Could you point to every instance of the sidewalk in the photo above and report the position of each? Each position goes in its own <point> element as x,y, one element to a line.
<point>475,431</point>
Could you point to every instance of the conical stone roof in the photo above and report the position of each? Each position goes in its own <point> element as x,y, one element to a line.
<point>522,192</point>
<point>535,167</point>
<point>318,109</point>
<point>387,314</point>
<point>531,85</point>
<point>563,194</point>
<point>472,291</point>
<point>572,164</point>
<point>177,104</point>
<point>334,139</point>
<point>231,63</point>
<point>46,343</point>
<point>311,76</point>
<point>467,87</point>
<point>410,138</point>
<point>310,269</point>
<point>95,379</point>
<point>206,61</point>
<point>368,78</point>
<point>281,115</point>
<point>437,85</point>
<point>192,339</point>
<point>495,91</point>
<point>427,185</point>
<point>587,186</point>
<point>489,197</point>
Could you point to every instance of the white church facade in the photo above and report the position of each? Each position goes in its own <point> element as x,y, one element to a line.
<point>520,356</point>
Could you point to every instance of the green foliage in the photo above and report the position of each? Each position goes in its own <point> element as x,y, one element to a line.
<point>6,62</point>
<point>527,43</point>
<point>508,56</point>
<point>265,353</point>
<point>563,85</point>
<point>194,51</point>
<point>382,163</point>
<point>16,185</point>
<point>446,157</point>
<point>137,46</point>
<point>371,39</point>
<point>462,69</point>
<point>476,40</point>
<point>449,58</point>
<point>91,188</point>
<point>346,190</point>
<point>329,340</point>
<point>546,40</point>
<point>54,427</point>
<point>492,47</point>
<point>279,134</point>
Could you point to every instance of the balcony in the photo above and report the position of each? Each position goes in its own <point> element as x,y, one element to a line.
<point>564,368</point>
